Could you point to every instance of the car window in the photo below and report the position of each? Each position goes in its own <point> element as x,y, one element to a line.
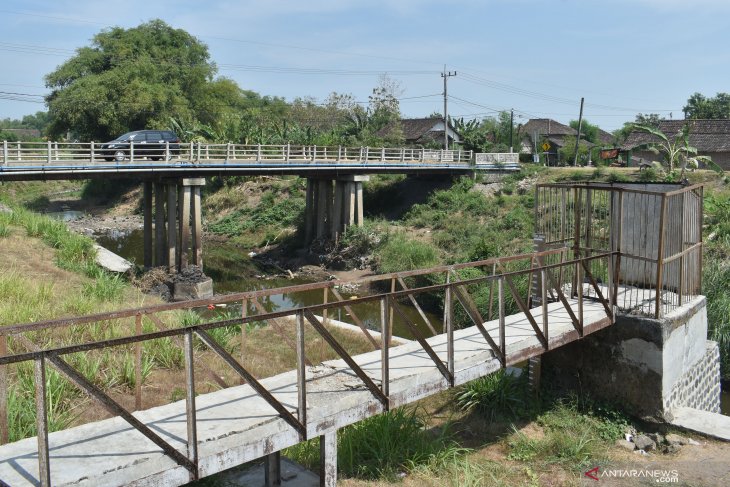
<point>126,136</point>
<point>154,136</point>
<point>138,137</point>
<point>169,135</point>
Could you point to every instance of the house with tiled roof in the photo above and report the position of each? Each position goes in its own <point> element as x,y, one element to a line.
<point>537,131</point>
<point>709,137</point>
<point>421,131</point>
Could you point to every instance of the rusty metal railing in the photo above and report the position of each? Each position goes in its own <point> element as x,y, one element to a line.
<point>562,276</point>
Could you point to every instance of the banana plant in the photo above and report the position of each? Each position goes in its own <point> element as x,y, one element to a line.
<point>675,150</point>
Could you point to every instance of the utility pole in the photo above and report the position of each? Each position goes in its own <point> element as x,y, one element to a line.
<point>445,75</point>
<point>577,139</point>
<point>511,125</point>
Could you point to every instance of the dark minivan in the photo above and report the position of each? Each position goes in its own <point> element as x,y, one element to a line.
<point>146,143</point>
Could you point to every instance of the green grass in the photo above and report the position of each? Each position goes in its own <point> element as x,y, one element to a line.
<point>268,219</point>
<point>382,446</point>
<point>572,439</point>
<point>715,285</point>
<point>498,396</point>
<point>400,253</point>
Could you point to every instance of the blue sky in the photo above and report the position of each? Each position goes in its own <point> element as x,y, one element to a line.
<point>538,57</point>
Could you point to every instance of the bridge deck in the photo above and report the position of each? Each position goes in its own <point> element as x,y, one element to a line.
<point>235,425</point>
<point>28,161</point>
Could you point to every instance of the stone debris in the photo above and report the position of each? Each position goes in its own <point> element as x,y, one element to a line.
<point>644,443</point>
<point>673,439</point>
<point>626,445</point>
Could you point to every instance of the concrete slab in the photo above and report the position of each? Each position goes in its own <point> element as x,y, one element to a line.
<point>236,426</point>
<point>111,261</point>
<point>709,424</point>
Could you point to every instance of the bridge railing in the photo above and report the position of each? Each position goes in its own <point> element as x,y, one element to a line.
<point>460,288</point>
<point>69,153</point>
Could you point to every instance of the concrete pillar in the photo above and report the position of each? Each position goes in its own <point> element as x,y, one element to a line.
<point>272,469</point>
<point>147,211</point>
<point>321,216</point>
<point>160,259</point>
<point>360,210</point>
<point>197,224</point>
<point>171,224</point>
<point>184,204</point>
<point>328,459</point>
<point>337,210</point>
<point>351,204</point>
<point>309,211</point>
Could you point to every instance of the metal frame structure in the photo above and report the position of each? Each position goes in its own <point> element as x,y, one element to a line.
<point>505,273</point>
<point>657,229</point>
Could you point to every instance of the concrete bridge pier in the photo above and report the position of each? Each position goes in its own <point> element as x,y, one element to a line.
<point>333,205</point>
<point>173,238</point>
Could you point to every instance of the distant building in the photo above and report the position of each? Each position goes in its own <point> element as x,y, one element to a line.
<point>537,131</point>
<point>709,137</point>
<point>421,131</point>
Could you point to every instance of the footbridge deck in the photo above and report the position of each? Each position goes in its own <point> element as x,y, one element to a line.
<point>54,160</point>
<point>199,436</point>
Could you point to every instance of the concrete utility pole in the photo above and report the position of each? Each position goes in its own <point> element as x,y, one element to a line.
<point>511,125</point>
<point>577,139</point>
<point>445,75</point>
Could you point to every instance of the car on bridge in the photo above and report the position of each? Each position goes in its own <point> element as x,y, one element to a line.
<point>152,144</point>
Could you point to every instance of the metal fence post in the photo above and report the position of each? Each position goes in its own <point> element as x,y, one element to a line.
<point>48,152</point>
<point>384,349</point>
<point>301,374</point>
<point>5,152</point>
<point>93,155</point>
<point>131,151</point>
<point>191,416</point>
<point>44,468</point>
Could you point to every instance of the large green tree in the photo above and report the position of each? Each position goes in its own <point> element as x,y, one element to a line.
<point>136,78</point>
<point>699,106</point>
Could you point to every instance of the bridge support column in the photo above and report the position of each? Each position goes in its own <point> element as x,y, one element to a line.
<point>333,206</point>
<point>328,459</point>
<point>177,232</point>
<point>159,224</point>
<point>272,469</point>
<point>147,204</point>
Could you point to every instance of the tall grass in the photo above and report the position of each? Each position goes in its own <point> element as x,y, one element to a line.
<point>715,285</point>
<point>498,396</point>
<point>383,446</point>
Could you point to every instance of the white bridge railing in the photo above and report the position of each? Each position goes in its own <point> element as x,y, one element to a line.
<point>496,158</point>
<point>21,154</point>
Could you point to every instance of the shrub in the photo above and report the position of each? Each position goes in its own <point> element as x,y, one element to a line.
<point>400,253</point>
<point>382,446</point>
<point>498,395</point>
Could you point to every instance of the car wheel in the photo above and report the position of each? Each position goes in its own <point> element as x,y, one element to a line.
<point>155,158</point>
<point>120,155</point>
<point>109,159</point>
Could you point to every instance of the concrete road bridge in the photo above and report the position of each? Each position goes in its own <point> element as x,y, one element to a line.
<point>605,254</point>
<point>174,178</point>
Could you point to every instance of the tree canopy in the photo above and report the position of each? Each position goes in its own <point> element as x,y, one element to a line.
<point>699,106</point>
<point>588,131</point>
<point>136,78</point>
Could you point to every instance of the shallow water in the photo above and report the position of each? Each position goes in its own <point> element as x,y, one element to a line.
<point>232,270</point>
